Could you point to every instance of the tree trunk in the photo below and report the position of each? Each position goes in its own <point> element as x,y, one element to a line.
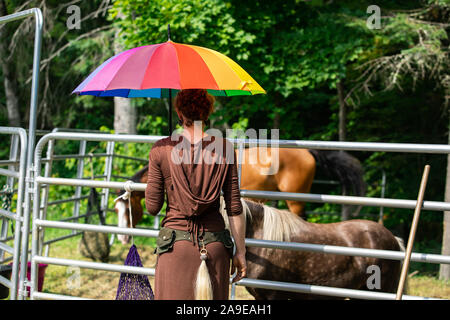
<point>9,78</point>
<point>342,112</point>
<point>278,99</point>
<point>276,121</point>
<point>444,270</point>
<point>124,113</point>
<point>124,116</point>
<point>346,209</point>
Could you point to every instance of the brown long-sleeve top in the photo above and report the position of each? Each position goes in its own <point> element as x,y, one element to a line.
<point>192,175</point>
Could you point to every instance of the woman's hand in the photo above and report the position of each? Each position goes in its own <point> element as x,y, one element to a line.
<point>239,265</point>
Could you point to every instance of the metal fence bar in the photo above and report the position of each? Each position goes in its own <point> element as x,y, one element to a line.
<point>324,145</point>
<point>350,146</point>
<point>97,228</point>
<point>9,173</point>
<point>347,251</point>
<point>322,290</point>
<point>5,282</point>
<point>52,296</point>
<point>7,259</point>
<point>9,238</point>
<point>95,265</point>
<point>76,217</point>
<point>90,183</point>
<point>129,157</point>
<point>9,214</point>
<point>6,248</point>
<point>8,162</point>
<point>79,156</point>
<point>56,202</point>
<point>271,195</point>
<point>72,235</point>
<point>353,200</point>
<point>115,176</point>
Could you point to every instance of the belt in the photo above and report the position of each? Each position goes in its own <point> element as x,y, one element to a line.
<point>167,237</point>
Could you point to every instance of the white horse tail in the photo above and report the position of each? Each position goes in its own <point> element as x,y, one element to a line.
<point>203,285</point>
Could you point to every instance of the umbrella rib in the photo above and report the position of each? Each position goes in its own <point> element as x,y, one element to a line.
<point>178,66</point>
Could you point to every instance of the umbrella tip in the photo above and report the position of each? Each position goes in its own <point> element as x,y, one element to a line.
<point>168,32</point>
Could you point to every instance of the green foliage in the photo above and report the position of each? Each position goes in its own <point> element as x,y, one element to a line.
<point>151,125</point>
<point>395,78</point>
<point>203,22</point>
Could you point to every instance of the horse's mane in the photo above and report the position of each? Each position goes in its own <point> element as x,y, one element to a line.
<point>138,175</point>
<point>278,225</point>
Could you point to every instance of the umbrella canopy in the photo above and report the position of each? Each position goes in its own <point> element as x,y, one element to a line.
<point>158,70</point>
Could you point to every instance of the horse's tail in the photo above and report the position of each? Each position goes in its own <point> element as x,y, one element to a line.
<point>203,285</point>
<point>344,167</point>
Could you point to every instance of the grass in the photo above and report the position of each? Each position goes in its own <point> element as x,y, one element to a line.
<point>429,286</point>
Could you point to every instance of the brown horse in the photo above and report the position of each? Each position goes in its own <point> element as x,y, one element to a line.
<point>272,169</point>
<point>121,207</point>
<point>293,170</point>
<point>268,223</point>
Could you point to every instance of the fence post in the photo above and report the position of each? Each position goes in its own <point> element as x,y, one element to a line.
<point>412,233</point>
<point>80,174</point>
<point>108,172</point>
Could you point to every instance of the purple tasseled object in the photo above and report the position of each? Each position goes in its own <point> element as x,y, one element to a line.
<point>134,286</point>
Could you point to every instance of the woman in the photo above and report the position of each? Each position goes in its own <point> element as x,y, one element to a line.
<point>193,242</point>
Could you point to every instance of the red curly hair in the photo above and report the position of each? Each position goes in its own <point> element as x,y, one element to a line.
<point>194,105</point>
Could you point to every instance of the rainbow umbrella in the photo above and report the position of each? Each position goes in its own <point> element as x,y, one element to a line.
<point>160,70</point>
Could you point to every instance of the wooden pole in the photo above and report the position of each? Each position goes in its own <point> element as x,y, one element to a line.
<point>412,233</point>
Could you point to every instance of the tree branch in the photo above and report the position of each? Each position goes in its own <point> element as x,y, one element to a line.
<point>46,62</point>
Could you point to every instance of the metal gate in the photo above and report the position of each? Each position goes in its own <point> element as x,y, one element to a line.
<point>16,220</point>
<point>39,222</point>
